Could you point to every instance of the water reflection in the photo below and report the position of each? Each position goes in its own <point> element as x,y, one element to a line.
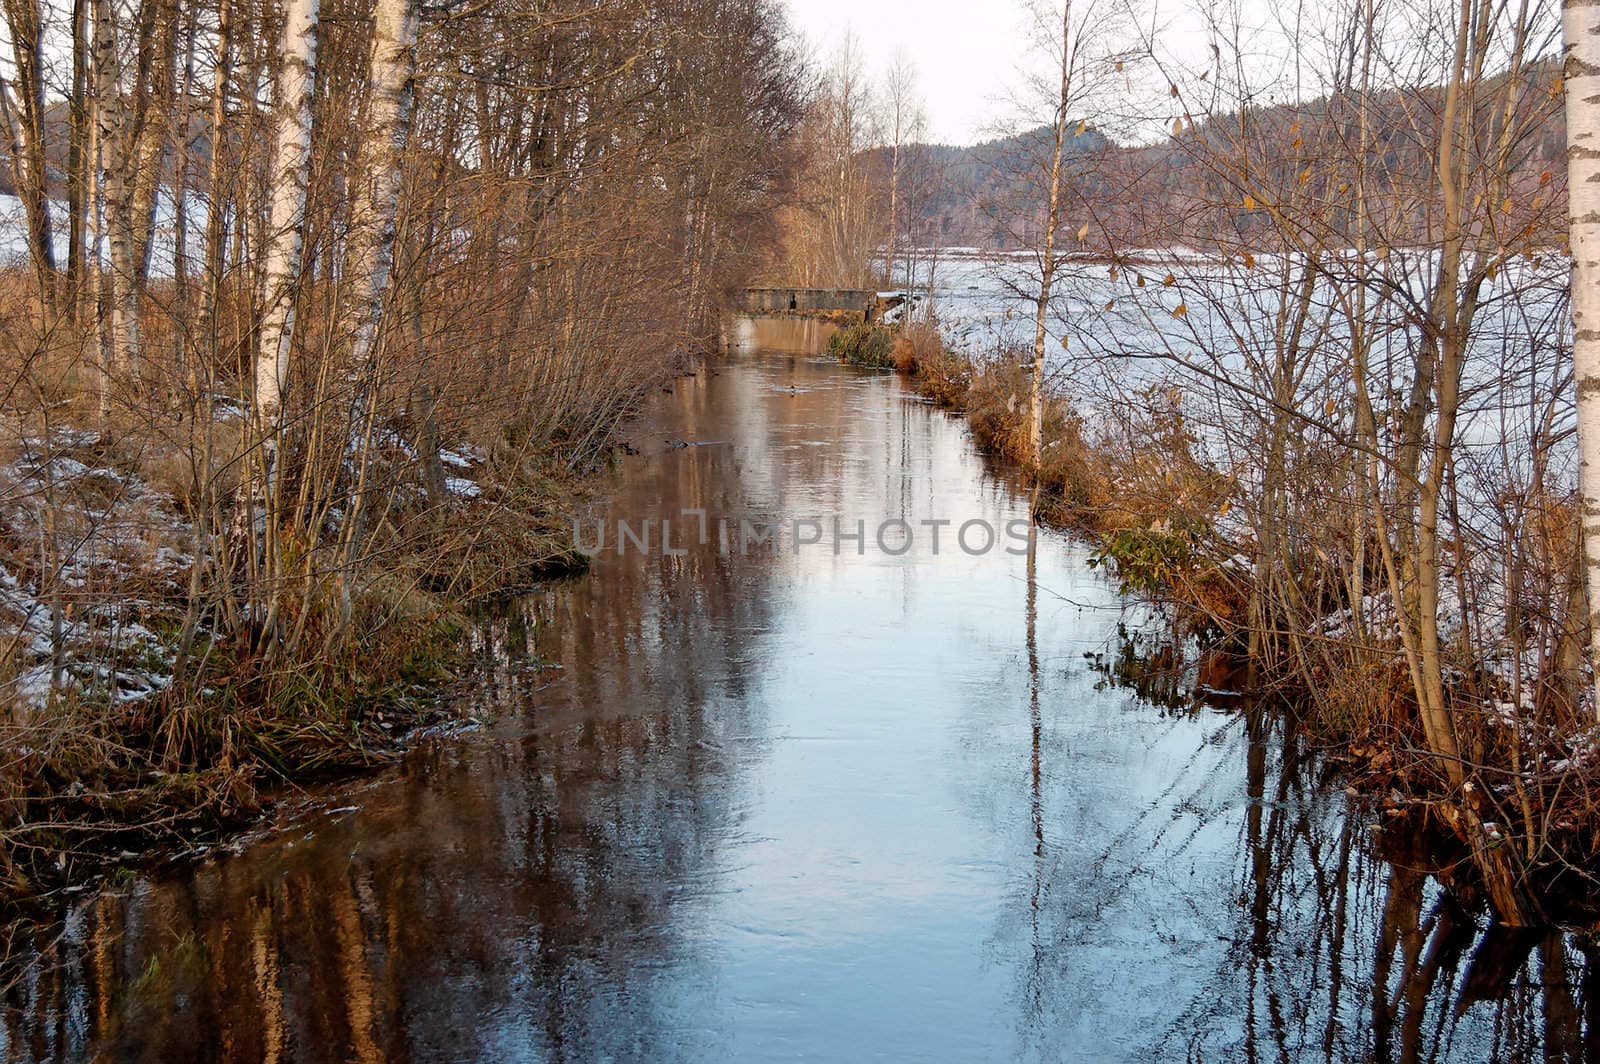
<point>841,805</point>
<point>777,333</point>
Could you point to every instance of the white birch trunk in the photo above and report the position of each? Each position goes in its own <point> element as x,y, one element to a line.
<point>115,190</point>
<point>1581,75</point>
<point>1047,263</point>
<point>393,90</point>
<point>291,170</point>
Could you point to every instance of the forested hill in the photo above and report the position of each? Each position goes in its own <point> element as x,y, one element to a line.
<point>987,195</point>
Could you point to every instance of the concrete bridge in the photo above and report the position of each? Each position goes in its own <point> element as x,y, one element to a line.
<point>864,301</point>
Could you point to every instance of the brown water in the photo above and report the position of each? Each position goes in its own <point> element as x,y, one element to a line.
<point>798,804</point>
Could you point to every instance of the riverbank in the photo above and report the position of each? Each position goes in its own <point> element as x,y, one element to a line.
<point>1516,818</point>
<point>786,802</point>
<point>142,725</point>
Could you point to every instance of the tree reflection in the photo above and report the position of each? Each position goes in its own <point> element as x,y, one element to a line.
<point>526,893</point>
<point>1316,903</point>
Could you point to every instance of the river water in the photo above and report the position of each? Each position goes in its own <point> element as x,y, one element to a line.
<point>780,802</point>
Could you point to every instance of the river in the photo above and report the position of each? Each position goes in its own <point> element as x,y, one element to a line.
<point>784,802</point>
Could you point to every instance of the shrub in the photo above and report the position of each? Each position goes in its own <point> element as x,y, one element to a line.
<point>864,343</point>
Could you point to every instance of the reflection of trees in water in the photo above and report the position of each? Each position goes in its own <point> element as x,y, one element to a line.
<point>530,891</point>
<point>1335,954</point>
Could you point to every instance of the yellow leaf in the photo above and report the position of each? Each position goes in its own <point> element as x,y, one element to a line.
<point>1082,127</point>
<point>1227,504</point>
<point>1305,175</point>
<point>1329,407</point>
<point>1177,126</point>
<point>1249,261</point>
<point>1298,141</point>
<point>1140,278</point>
<point>1181,311</point>
<point>1249,202</point>
<point>1168,281</point>
<point>1505,208</point>
<point>1083,231</point>
<point>1544,179</point>
<point>1063,343</point>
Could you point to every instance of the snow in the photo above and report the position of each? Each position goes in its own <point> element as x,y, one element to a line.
<point>79,622</point>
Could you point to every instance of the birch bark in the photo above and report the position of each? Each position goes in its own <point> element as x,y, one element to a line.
<point>115,190</point>
<point>1581,76</point>
<point>1047,261</point>
<point>291,168</point>
<point>393,90</point>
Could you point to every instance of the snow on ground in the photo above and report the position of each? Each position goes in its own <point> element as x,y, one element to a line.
<point>88,554</point>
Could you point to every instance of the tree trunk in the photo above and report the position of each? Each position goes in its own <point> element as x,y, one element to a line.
<point>217,204</point>
<point>291,169</point>
<point>393,90</point>
<point>1581,76</point>
<point>77,166</point>
<point>284,243</point>
<point>26,26</point>
<point>120,291</point>
<point>1047,259</point>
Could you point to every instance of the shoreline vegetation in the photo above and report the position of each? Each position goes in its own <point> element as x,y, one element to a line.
<point>323,325</point>
<point>1148,506</point>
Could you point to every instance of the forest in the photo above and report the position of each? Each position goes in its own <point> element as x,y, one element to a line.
<point>322,316</point>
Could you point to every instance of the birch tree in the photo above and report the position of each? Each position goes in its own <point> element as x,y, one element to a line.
<point>114,191</point>
<point>1047,254</point>
<point>1581,78</point>
<point>392,97</point>
<point>291,168</point>
<point>905,125</point>
<point>291,171</point>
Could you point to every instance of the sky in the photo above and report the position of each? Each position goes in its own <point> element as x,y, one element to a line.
<point>965,63</point>
<point>971,56</point>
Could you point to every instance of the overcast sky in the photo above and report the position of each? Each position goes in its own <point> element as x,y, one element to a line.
<point>970,55</point>
<point>966,53</point>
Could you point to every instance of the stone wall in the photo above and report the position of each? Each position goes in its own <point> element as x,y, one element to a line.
<point>766,300</point>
